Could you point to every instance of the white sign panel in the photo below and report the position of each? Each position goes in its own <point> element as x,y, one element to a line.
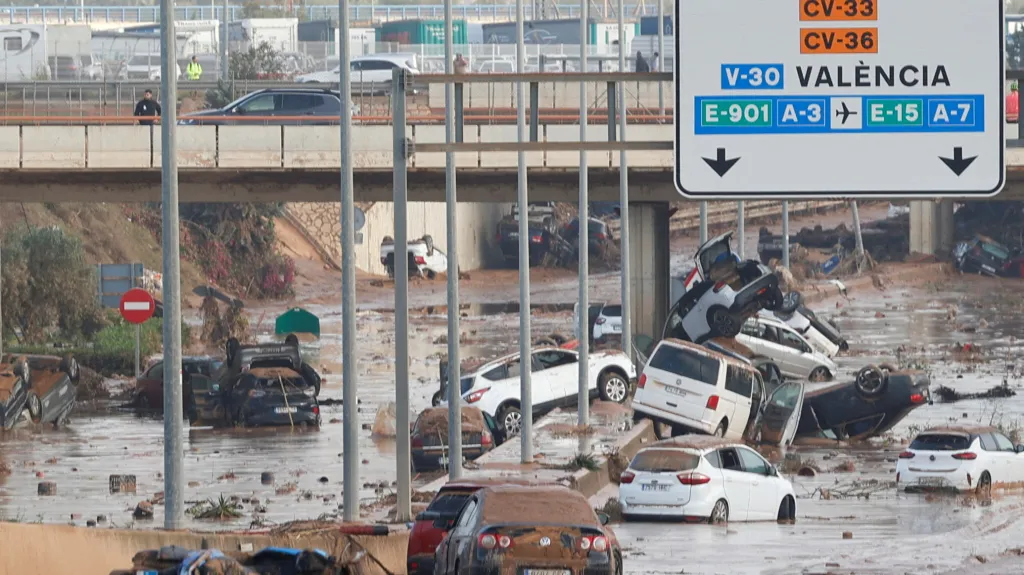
<point>858,98</point>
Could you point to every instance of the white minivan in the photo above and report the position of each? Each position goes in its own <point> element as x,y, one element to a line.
<point>685,386</point>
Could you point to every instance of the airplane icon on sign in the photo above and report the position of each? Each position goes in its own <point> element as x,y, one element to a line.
<point>845,113</point>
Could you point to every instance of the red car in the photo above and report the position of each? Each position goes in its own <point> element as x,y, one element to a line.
<point>433,524</point>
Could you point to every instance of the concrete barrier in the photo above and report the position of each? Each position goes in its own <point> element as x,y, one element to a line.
<point>249,146</point>
<point>197,147</point>
<point>648,158</point>
<point>570,133</point>
<point>10,147</point>
<point>435,135</point>
<point>122,146</point>
<point>312,147</point>
<point>53,147</point>
<point>374,148</point>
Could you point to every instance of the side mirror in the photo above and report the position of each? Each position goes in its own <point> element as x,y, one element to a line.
<point>603,518</point>
<point>772,471</point>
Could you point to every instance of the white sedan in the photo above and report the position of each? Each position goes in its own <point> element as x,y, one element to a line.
<point>494,388</point>
<point>960,458</point>
<point>702,478</point>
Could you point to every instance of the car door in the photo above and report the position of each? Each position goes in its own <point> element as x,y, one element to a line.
<point>459,538</point>
<point>737,483</point>
<point>784,355</point>
<point>260,106</point>
<point>557,373</point>
<point>800,353</point>
<point>752,335</point>
<point>780,416</point>
<point>763,503</point>
<point>1011,462</point>
<point>296,106</point>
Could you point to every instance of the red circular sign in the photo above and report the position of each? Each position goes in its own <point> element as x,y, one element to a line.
<point>137,305</point>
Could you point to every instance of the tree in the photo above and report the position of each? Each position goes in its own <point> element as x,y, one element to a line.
<point>48,284</point>
<point>259,61</point>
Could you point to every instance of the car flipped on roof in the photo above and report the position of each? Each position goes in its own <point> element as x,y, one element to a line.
<point>433,524</point>
<point>515,529</point>
<point>983,255</point>
<point>429,437</point>
<point>425,260</point>
<point>53,386</point>
<point>494,387</point>
<point>700,478</point>
<point>960,458</point>
<point>15,378</point>
<point>722,292</point>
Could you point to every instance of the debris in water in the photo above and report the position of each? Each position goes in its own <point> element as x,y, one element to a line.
<point>949,395</point>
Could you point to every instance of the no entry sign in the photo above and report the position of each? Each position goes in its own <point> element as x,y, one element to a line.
<point>137,305</point>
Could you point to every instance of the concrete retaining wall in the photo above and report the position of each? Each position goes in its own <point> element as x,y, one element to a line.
<point>477,222</point>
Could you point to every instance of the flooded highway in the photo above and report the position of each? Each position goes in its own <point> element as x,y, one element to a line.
<point>924,327</point>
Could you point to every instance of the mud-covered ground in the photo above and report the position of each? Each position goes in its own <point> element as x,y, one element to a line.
<point>891,533</point>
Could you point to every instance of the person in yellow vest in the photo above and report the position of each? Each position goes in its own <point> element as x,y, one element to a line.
<point>194,70</point>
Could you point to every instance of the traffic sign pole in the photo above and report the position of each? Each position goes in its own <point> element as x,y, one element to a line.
<point>825,99</point>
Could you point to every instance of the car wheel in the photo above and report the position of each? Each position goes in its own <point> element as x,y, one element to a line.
<point>435,400</point>
<point>720,432</point>
<point>512,419</point>
<point>35,407</point>
<point>720,513</point>
<point>613,387</point>
<point>790,302</point>
<point>984,489</point>
<point>787,509</point>
<point>662,430</point>
<point>820,373</point>
<point>871,381</point>
<point>722,322</point>
<point>69,365</point>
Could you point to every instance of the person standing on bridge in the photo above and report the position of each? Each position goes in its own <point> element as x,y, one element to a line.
<point>147,108</point>
<point>194,70</point>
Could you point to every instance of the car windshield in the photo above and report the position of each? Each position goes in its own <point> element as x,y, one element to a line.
<point>612,311</point>
<point>940,442</point>
<point>661,460</point>
<point>449,504</point>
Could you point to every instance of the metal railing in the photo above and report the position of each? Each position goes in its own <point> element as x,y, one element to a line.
<point>364,13</point>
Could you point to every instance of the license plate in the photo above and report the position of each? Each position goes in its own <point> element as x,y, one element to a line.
<point>931,481</point>
<point>286,410</point>
<point>989,269</point>
<point>675,390</point>
<point>546,572</point>
<point>653,487</point>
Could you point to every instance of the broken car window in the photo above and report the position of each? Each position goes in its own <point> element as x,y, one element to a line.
<point>730,460</point>
<point>940,442</point>
<point>686,364</point>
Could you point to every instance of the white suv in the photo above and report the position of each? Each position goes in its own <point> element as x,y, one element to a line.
<point>494,388</point>
<point>686,387</point>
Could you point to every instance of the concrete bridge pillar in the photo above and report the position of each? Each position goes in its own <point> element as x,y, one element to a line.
<point>649,267</point>
<point>931,227</point>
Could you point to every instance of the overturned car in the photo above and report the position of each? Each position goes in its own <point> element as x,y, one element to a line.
<point>722,292</point>
<point>50,382</point>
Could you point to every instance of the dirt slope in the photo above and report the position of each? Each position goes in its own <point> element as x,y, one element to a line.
<point>107,234</point>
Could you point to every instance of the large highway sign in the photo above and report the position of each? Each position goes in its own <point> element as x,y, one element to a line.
<point>857,98</point>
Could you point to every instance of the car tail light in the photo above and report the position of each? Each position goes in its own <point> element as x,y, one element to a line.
<point>417,442</point>
<point>713,402</point>
<point>488,541</point>
<point>762,291</point>
<point>719,286</point>
<point>642,381</point>
<point>486,439</point>
<point>535,239</point>
<point>504,541</point>
<point>627,477</point>
<point>256,393</point>
<point>690,276</point>
<point>600,321</point>
<point>917,398</point>
<point>316,410</point>
<point>693,478</point>
<point>420,260</point>
<point>477,395</point>
<point>600,236</point>
<point>595,542</point>
<point>968,455</point>
<point>907,455</point>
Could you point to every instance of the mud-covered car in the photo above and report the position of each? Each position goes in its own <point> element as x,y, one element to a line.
<point>53,388</point>
<point>983,255</point>
<point>15,378</point>
<point>722,292</point>
<point>515,529</point>
<point>149,387</point>
<point>429,437</point>
<point>270,396</point>
<point>878,398</point>
<point>541,232</point>
<point>174,560</point>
